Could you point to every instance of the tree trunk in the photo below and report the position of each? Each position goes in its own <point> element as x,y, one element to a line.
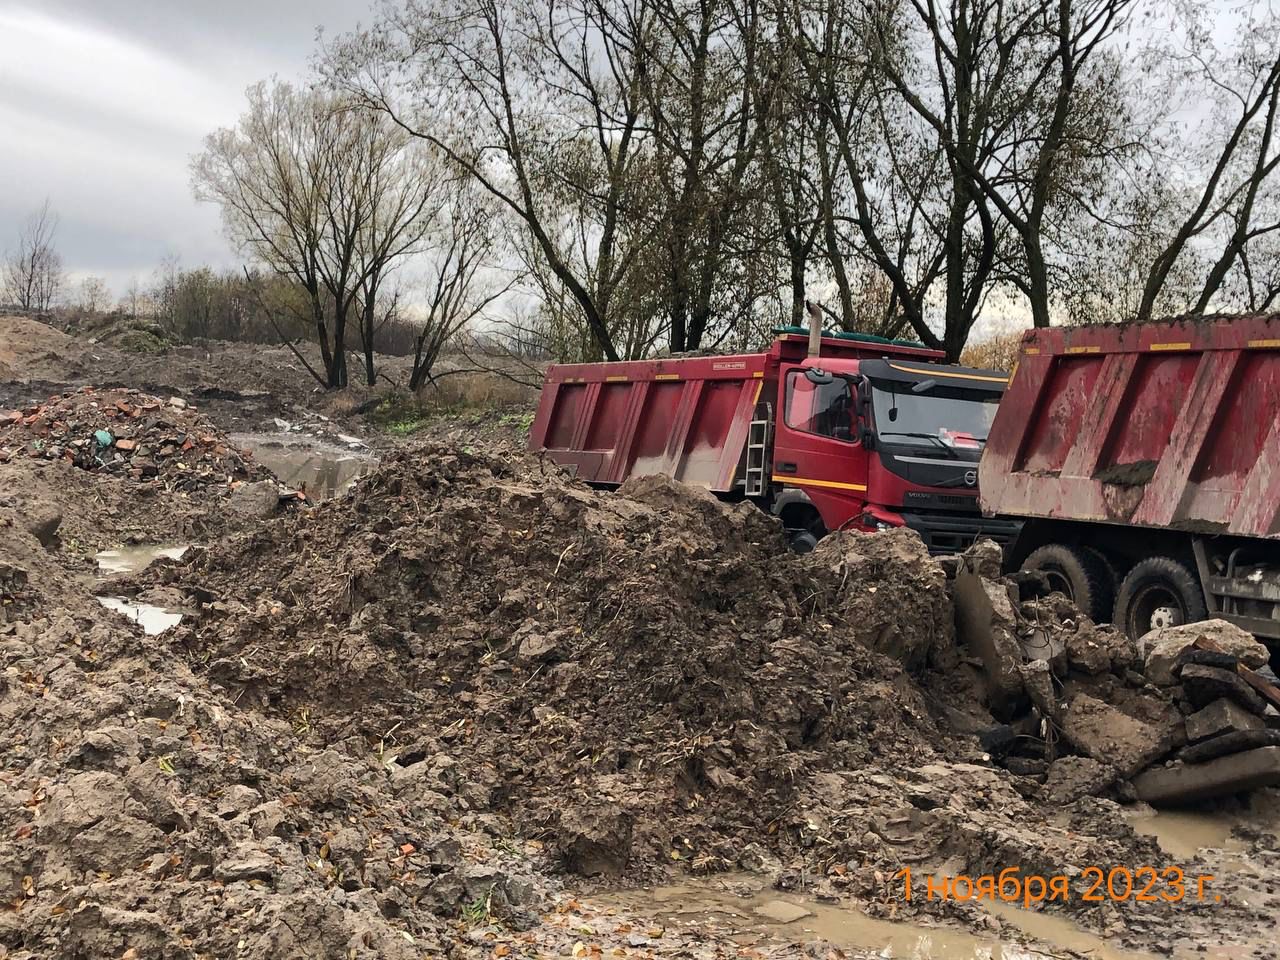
<point>369,372</point>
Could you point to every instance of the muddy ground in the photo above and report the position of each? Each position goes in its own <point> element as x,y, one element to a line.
<point>457,703</point>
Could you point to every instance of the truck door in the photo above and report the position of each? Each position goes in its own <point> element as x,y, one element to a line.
<point>817,447</point>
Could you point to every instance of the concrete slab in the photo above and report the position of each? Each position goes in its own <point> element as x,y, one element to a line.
<point>1108,735</point>
<point>1221,716</point>
<point>1188,783</point>
<point>1203,685</point>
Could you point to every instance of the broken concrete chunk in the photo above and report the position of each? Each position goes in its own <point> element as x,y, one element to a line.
<point>1111,736</point>
<point>1219,717</point>
<point>1037,679</point>
<point>985,558</point>
<point>986,625</point>
<point>1229,743</point>
<point>1086,653</point>
<point>1203,685</point>
<point>1163,649</point>
<point>1071,778</point>
<point>1188,783</point>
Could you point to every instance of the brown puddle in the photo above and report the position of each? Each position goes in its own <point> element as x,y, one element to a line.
<point>743,909</point>
<point>132,559</point>
<point>323,471</point>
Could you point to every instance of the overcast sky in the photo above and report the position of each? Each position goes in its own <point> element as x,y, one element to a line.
<point>103,102</point>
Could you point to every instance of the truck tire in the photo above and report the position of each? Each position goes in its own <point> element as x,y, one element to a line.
<point>801,541</point>
<point>1080,573</point>
<point>1158,592</point>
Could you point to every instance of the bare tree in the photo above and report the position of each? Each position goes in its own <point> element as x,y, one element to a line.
<point>327,195</point>
<point>1007,113</point>
<point>539,102</point>
<point>463,280</point>
<point>1236,197</point>
<point>33,275</point>
<point>93,294</point>
<point>699,78</point>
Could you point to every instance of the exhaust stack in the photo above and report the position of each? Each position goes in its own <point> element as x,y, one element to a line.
<point>815,329</point>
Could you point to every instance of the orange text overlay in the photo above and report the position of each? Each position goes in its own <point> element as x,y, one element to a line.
<point>1143,884</point>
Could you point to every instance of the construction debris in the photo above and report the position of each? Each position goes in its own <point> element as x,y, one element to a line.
<point>1183,784</point>
<point>131,434</point>
<point>1219,717</point>
<point>392,722</point>
<point>1165,650</point>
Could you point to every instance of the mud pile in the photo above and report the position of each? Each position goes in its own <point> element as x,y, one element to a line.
<point>637,680</point>
<point>640,676</point>
<point>129,434</point>
<point>143,815</point>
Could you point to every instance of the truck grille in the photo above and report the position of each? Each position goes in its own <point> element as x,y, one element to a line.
<point>949,533</point>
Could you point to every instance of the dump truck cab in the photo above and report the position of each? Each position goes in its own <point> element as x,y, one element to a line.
<point>873,443</point>
<point>841,431</point>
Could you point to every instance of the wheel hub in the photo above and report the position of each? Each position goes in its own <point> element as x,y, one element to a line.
<point>1165,617</point>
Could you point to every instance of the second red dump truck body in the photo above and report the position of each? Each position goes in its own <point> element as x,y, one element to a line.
<point>869,434</point>
<point>1148,455</point>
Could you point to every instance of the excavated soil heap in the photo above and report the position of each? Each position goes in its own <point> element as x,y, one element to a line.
<point>644,675</point>
<point>379,707</point>
<point>143,815</point>
<point>638,678</point>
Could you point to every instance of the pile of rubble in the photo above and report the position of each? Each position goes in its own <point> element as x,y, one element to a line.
<point>1178,717</point>
<point>129,434</point>
<point>394,717</point>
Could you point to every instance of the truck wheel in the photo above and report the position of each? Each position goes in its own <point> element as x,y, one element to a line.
<point>1158,592</point>
<point>801,541</point>
<point>1079,573</point>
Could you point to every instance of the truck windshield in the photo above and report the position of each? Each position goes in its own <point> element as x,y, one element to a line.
<point>950,417</point>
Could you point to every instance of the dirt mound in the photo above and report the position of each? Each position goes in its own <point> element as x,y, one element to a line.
<point>144,816</point>
<point>637,678</point>
<point>592,661</point>
<point>128,433</point>
<point>382,709</point>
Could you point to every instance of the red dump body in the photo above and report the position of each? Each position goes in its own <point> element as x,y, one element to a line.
<point>684,417</point>
<point>1173,426</point>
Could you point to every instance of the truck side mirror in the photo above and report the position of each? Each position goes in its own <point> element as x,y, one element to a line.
<point>818,377</point>
<point>862,410</point>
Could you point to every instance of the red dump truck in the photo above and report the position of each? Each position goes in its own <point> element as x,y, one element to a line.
<point>841,431</point>
<point>1144,462</point>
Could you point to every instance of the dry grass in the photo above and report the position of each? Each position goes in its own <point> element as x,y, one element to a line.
<point>468,392</point>
<point>997,353</point>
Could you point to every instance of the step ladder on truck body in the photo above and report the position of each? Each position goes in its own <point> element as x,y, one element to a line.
<point>759,437</point>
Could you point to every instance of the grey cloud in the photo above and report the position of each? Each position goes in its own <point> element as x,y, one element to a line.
<point>103,102</point>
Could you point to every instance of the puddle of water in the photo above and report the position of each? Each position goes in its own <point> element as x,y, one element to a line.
<point>768,915</point>
<point>153,619</point>
<point>1183,835</point>
<point>322,472</point>
<point>135,558</point>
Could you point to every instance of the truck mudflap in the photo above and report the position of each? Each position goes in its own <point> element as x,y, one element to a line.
<point>951,533</point>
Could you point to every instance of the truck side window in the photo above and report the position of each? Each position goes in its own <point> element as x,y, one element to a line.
<point>825,409</point>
